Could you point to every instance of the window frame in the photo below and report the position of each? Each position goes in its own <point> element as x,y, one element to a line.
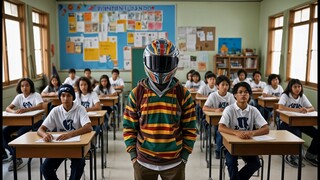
<point>292,24</point>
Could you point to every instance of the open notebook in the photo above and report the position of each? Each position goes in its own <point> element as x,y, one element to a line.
<point>73,139</point>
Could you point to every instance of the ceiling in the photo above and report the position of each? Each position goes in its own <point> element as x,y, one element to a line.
<point>174,0</point>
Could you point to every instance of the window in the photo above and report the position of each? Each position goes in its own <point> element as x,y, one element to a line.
<point>274,44</point>
<point>13,41</point>
<point>40,38</point>
<point>303,45</point>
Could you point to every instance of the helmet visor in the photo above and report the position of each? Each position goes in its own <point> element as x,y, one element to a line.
<point>161,64</point>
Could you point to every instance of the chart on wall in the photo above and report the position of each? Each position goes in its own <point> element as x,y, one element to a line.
<point>101,36</point>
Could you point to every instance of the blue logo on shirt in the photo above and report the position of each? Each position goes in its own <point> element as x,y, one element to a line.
<point>223,105</point>
<point>85,104</point>
<point>276,94</point>
<point>295,105</point>
<point>27,104</point>
<point>243,124</point>
<point>68,124</point>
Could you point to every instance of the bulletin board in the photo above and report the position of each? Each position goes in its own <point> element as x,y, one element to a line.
<point>207,42</point>
<point>97,36</point>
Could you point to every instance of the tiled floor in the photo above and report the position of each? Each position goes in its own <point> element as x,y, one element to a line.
<point>119,166</point>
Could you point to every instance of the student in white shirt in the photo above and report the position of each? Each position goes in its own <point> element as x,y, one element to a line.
<point>52,88</point>
<point>189,77</point>
<point>72,78</point>
<point>242,77</point>
<point>294,100</point>
<point>244,121</point>
<point>204,91</point>
<point>26,100</point>
<point>256,85</point>
<point>217,102</point>
<point>116,82</point>
<point>196,82</point>
<point>87,74</point>
<point>67,117</point>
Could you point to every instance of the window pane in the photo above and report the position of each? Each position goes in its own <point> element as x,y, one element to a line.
<point>35,17</point>
<point>38,60</point>
<point>314,55</point>
<point>14,49</point>
<point>277,40</point>
<point>275,62</point>
<point>299,52</point>
<point>37,48</point>
<point>316,11</point>
<point>37,38</point>
<point>279,22</point>
<point>305,15</point>
<point>297,16</point>
<point>10,9</point>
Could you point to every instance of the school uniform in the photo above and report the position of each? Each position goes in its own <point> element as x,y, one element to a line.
<point>237,80</point>
<point>70,81</point>
<point>245,120</point>
<point>260,85</point>
<point>267,112</point>
<point>49,89</point>
<point>106,91</point>
<point>88,100</point>
<point>65,121</point>
<point>118,82</point>
<point>206,90</point>
<point>195,85</point>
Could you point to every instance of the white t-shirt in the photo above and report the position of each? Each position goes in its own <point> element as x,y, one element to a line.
<point>206,90</point>
<point>118,82</point>
<point>59,118</point>
<point>261,84</point>
<point>235,118</point>
<point>105,90</point>
<point>197,85</point>
<point>47,89</point>
<point>275,92</point>
<point>88,100</point>
<point>216,101</point>
<point>31,101</point>
<point>237,80</point>
<point>289,101</point>
<point>70,81</point>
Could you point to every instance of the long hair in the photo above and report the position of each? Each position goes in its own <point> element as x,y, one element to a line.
<point>18,87</point>
<point>273,76</point>
<point>104,76</point>
<point>88,83</point>
<point>57,78</point>
<point>289,87</point>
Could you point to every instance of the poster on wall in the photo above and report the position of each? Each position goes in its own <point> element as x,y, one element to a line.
<point>229,46</point>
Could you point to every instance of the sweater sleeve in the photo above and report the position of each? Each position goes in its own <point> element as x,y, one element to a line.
<point>188,120</point>
<point>130,125</point>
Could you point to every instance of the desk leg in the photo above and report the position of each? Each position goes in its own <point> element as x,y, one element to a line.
<point>269,165</point>
<point>95,163</point>
<point>221,163</point>
<point>91,164</point>
<point>210,154</point>
<point>15,175</point>
<point>300,162</point>
<point>282,170</point>
<point>102,150</point>
<point>40,168</point>
<point>114,124</point>
<point>29,168</point>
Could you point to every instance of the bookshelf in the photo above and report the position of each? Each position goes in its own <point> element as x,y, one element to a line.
<point>229,65</point>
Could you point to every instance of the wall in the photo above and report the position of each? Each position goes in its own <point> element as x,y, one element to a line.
<point>267,9</point>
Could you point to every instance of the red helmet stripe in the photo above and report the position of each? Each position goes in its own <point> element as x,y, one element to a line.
<point>162,49</point>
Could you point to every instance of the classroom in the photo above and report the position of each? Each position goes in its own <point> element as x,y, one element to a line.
<point>56,37</point>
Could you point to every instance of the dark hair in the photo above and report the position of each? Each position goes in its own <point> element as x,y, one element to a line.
<point>242,71</point>
<point>72,71</point>
<point>242,84</point>
<point>289,87</point>
<point>206,76</point>
<point>196,73</point>
<point>104,76</point>
<point>57,77</point>
<point>115,71</point>
<point>273,76</point>
<point>256,72</point>
<point>210,75</point>
<point>190,72</point>
<point>18,87</point>
<point>222,78</point>
<point>87,69</point>
<point>87,81</point>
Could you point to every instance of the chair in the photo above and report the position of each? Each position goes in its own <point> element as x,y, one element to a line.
<point>275,115</point>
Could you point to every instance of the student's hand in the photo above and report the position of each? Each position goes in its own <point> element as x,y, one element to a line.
<point>244,134</point>
<point>303,110</point>
<point>64,137</point>
<point>52,94</point>
<point>48,137</point>
<point>20,111</point>
<point>220,110</point>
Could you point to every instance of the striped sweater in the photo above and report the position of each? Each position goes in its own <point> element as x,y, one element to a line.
<point>166,132</point>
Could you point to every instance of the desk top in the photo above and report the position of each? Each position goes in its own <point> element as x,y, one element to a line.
<point>30,113</point>
<point>29,139</point>
<point>210,113</point>
<point>109,98</point>
<point>297,114</point>
<point>268,98</point>
<point>100,113</point>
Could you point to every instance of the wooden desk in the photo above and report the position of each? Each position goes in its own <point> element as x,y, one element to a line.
<point>267,101</point>
<point>256,94</point>
<point>201,100</point>
<point>55,101</point>
<point>193,94</point>
<point>110,101</point>
<point>25,146</point>
<point>24,119</point>
<point>283,143</point>
<point>97,119</point>
<point>299,119</point>
<point>212,118</point>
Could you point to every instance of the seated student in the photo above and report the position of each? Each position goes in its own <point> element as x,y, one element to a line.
<point>242,77</point>
<point>52,88</point>
<point>258,85</point>
<point>116,82</point>
<point>26,100</point>
<point>67,117</point>
<point>189,77</point>
<point>205,76</point>
<point>294,100</point>
<point>240,119</point>
<point>217,102</point>
<point>273,89</point>
<point>72,78</point>
<point>105,89</point>
<point>196,82</point>
<point>87,74</point>
<point>210,87</point>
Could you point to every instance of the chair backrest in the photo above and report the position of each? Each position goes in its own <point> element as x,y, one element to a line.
<point>275,114</point>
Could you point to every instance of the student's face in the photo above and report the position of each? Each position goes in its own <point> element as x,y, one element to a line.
<point>195,78</point>
<point>87,74</point>
<point>54,82</point>
<point>257,77</point>
<point>275,82</point>
<point>223,88</point>
<point>104,82</point>
<point>115,76</point>
<point>242,76</point>
<point>83,87</point>
<point>189,76</point>
<point>242,95</point>
<point>25,87</point>
<point>72,75</point>
<point>296,89</point>
<point>66,98</point>
<point>211,81</point>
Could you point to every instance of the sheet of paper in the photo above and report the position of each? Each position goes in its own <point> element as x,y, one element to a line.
<point>73,139</point>
<point>263,138</point>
